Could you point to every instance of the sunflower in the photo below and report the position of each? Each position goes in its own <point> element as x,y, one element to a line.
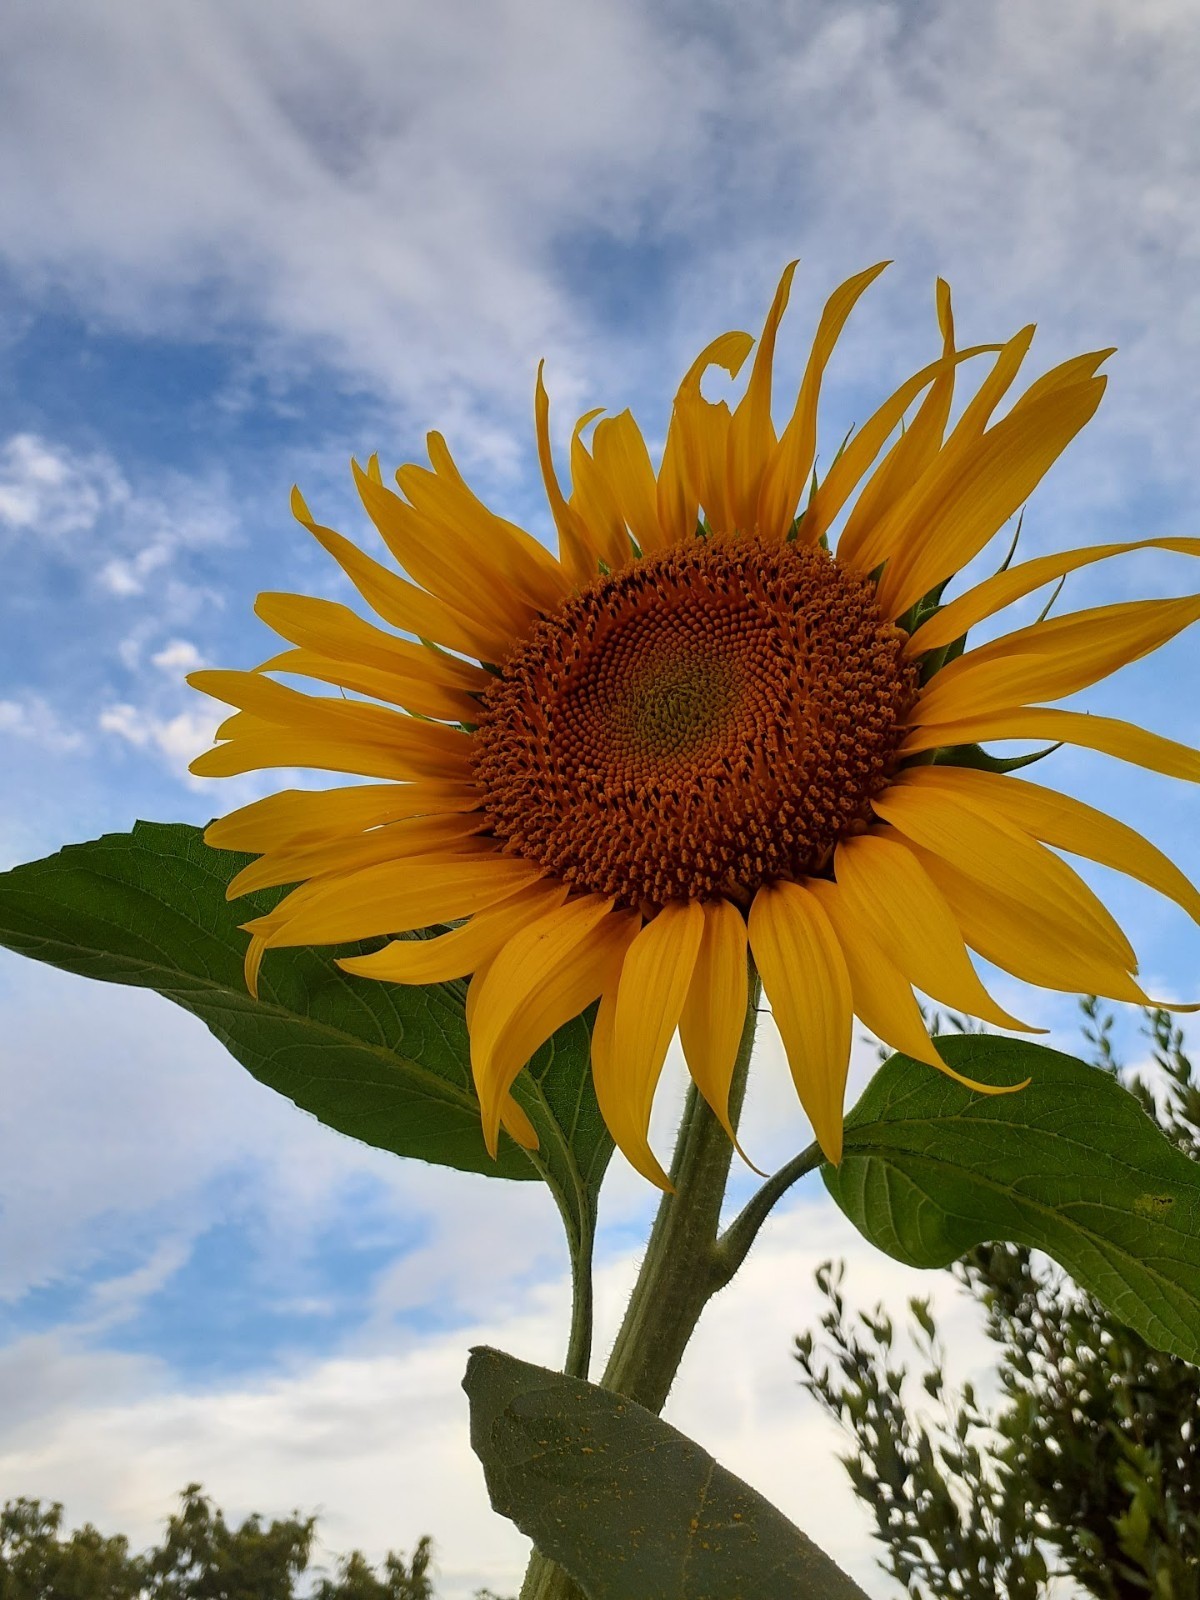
<point>699,734</point>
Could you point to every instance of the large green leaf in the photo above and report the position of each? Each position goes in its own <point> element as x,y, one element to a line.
<point>1071,1165</point>
<point>385,1063</point>
<point>628,1505</point>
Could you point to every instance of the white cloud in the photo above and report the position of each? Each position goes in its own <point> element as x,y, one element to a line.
<point>400,191</point>
<point>51,492</point>
<point>369,185</point>
<point>378,1441</point>
<point>145,1111</point>
<point>114,1301</point>
<point>179,739</point>
<point>34,719</point>
<point>82,505</point>
<point>177,657</point>
<point>127,576</point>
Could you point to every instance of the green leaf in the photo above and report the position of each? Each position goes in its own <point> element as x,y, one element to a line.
<point>385,1063</point>
<point>1071,1165</point>
<point>626,1504</point>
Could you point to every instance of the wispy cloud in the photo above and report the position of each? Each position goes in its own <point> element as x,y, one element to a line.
<point>32,719</point>
<point>431,203</point>
<point>132,547</point>
<point>178,739</point>
<point>370,1439</point>
<point>50,492</point>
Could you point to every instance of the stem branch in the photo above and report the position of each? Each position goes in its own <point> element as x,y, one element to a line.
<point>579,1344</point>
<point>733,1246</point>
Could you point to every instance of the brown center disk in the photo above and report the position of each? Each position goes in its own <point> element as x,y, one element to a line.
<point>706,720</point>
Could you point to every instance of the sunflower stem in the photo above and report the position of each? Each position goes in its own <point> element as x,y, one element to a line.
<point>681,1271</point>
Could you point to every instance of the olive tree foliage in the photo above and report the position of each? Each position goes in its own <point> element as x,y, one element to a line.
<point>200,1558</point>
<point>1086,1464</point>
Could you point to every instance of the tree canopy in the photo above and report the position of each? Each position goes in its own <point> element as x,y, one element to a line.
<point>1086,1465</point>
<point>201,1557</point>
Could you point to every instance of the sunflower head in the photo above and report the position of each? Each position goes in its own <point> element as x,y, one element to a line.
<point>706,720</point>
<point>697,737</point>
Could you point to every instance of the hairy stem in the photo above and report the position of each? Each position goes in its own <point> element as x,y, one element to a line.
<point>678,1274</point>
<point>579,1344</point>
<point>684,1266</point>
<point>734,1244</point>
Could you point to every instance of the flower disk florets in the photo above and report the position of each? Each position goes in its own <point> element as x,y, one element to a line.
<point>706,720</point>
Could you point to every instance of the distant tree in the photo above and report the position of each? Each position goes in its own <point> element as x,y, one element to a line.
<point>36,1563</point>
<point>356,1579</point>
<point>200,1558</point>
<point>1087,1465</point>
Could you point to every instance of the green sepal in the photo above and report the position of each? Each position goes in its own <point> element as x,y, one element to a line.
<point>974,755</point>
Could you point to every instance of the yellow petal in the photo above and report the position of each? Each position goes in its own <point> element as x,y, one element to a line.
<point>273,710</point>
<point>893,478</point>
<point>252,962</point>
<point>444,559</point>
<point>804,974</point>
<point>392,897</point>
<point>1004,588</point>
<point>883,998</point>
<point>399,602</point>
<point>955,520</point>
<point>1068,372</point>
<point>911,454</point>
<point>1053,658</point>
<point>474,989</point>
<point>394,842</point>
<point>444,498</point>
<point>546,974</point>
<point>455,954</point>
<point>1107,734</point>
<point>992,390</point>
<point>305,816</point>
<point>418,696</point>
<point>1001,855</point>
<point>751,431</point>
<point>597,505</point>
<point>1031,942</point>
<point>786,476</point>
<point>328,714</point>
<point>702,431</point>
<point>886,889</point>
<point>1066,823</point>
<point>920,477</point>
<point>714,1013</point>
<point>655,977</point>
<point>575,551</point>
<point>677,501</point>
<point>621,456</point>
<point>705,432</point>
<point>283,747</point>
<point>517,1125</point>
<point>329,629</point>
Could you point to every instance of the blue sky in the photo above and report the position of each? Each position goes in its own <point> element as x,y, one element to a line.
<point>238,245</point>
